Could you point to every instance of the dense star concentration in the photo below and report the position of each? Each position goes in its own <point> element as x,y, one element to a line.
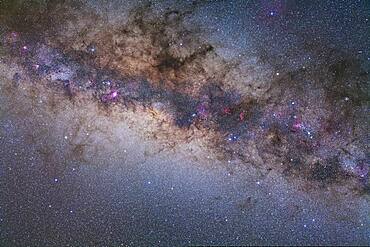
<point>184,123</point>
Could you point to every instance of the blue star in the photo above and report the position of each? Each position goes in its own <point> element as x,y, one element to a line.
<point>233,138</point>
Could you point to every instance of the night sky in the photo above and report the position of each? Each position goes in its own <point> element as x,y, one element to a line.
<point>176,123</point>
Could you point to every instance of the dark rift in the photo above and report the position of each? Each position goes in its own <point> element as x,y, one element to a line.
<point>310,124</point>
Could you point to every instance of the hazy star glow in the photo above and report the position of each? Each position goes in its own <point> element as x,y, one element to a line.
<point>179,123</point>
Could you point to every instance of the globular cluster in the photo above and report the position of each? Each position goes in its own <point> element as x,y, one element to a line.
<point>260,85</point>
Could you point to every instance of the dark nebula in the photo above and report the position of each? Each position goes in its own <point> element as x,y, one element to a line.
<point>184,123</point>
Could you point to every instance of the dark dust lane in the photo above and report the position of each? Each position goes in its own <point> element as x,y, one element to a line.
<point>258,93</point>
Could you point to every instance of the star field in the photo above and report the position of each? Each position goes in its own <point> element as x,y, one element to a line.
<point>172,123</point>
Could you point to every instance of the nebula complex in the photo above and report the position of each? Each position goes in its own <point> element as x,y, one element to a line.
<point>160,75</point>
